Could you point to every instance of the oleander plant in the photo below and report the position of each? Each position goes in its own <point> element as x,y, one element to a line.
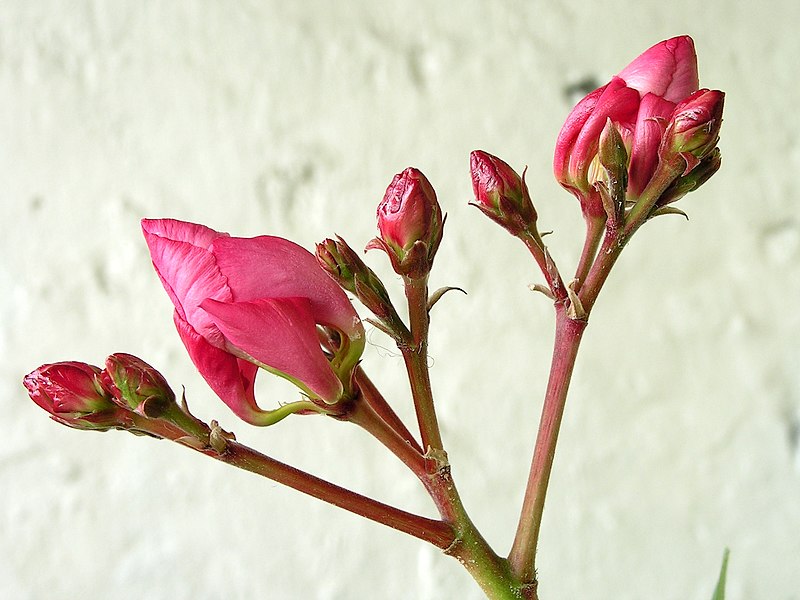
<point>627,152</point>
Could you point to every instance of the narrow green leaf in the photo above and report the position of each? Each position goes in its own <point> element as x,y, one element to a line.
<point>719,591</point>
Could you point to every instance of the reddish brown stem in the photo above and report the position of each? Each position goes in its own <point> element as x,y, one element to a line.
<point>533,242</point>
<point>415,356</point>
<point>438,533</point>
<point>379,404</point>
<point>567,340</point>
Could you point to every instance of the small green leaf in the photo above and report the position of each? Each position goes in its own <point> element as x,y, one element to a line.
<point>719,591</point>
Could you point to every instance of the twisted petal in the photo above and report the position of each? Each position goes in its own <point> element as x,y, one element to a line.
<point>281,334</point>
<point>617,102</point>
<point>570,131</point>
<point>231,378</point>
<point>668,69</point>
<point>187,268</point>
<point>272,267</point>
<point>651,121</point>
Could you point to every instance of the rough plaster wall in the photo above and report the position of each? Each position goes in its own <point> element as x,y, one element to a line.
<point>290,118</point>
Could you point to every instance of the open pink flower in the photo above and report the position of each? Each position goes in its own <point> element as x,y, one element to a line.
<point>245,303</point>
<point>640,101</point>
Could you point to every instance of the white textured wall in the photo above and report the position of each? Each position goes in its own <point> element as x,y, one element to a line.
<point>290,118</point>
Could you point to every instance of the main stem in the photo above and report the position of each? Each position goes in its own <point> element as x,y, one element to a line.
<point>522,557</point>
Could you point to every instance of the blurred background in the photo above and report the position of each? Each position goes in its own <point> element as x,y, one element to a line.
<point>682,432</point>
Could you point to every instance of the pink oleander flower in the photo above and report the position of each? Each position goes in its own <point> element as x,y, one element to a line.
<point>500,193</point>
<point>410,223</point>
<point>74,395</point>
<point>245,303</point>
<point>642,101</point>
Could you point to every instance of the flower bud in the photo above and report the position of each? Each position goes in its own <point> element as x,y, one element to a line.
<point>74,395</point>
<point>137,385</point>
<point>500,193</point>
<point>693,129</point>
<point>610,176</point>
<point>342,263</point>
<point>410,223</point>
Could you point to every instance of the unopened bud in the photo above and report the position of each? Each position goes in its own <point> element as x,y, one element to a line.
<point>500,193</point>
<point>344,265</point>
<point>693,130</point>
<point>410,223</point>
<point>137,385</point>
<point>74,395</point>
<point>613,176</point>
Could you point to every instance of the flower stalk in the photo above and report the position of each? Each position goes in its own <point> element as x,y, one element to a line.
<point>522,557</point>
<point>415,355</point>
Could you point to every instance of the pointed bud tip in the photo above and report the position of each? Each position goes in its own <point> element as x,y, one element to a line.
<point>409,214</point>
<point>501,193</point>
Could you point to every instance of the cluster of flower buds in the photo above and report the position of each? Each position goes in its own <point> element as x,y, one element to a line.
<point>83,396</point>
<point>669,129</point>
<point>410,223</point>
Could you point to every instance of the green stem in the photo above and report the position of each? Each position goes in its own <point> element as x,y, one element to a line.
<point>470,548</point>
<point>438,533</point>
<point>522,557</point>
<point>415,355</point>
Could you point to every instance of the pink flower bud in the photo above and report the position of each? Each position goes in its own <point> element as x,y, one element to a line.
<point>245,303</point>
<point>137,385</point>
<point>641,101</point>
<point>500,193</point>
<point>410,223</point>
<point>694,126</point>
<point>74,395</point>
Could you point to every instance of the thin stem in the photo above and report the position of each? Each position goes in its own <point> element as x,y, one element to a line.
<point>415,356</point>
<point>438,533</point>
<point>375,399</point>
<point>489,570</point>
<point>567,340</point>
<point>594,233</point>
<point>606,257</point>
<point>364,415</point>
<point>533,242</point>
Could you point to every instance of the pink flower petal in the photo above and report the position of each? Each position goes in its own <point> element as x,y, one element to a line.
<point>188,271</point>
<point>232,379</point>
<point>650,124</point>
<point>281,334</point>
<point>272,267</point>
<point>181,231</point>
<point>617,102</point>
<point>668,69</point>
<point>570,131</point>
